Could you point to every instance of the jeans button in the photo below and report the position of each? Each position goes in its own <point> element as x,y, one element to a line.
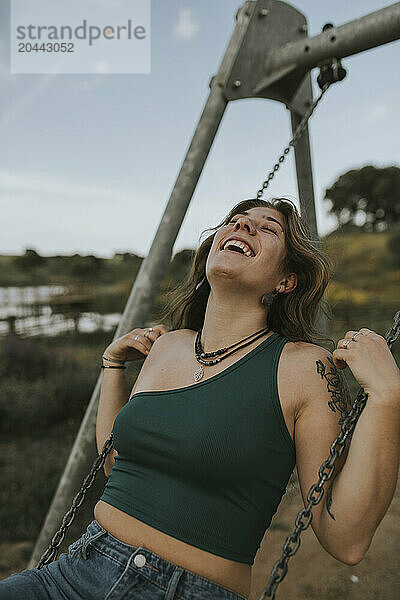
<point>139,560</point>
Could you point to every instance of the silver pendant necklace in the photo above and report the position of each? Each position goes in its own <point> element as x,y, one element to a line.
<point>201,355</point>
<point>197,375</point>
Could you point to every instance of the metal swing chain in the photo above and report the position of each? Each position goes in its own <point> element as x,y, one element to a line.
<point>348,424</point>
<point>51,553</point>
<point>297,135</point>
<point>330,72</point>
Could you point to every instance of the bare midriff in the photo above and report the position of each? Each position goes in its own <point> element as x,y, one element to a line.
<point>231,574</point>
<point>156,374</point>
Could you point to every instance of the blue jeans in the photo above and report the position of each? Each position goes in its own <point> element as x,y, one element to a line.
<point>98,566</point>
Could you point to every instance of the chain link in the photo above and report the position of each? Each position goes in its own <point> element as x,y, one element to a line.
<point>329,72</point>
<point>348,424</point>
<point>51,553</point>
<point>297,135</point>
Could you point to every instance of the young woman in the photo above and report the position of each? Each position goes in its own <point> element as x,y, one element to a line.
<point>226,404</point>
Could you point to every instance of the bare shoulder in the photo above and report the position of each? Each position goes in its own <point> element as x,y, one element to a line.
<point>171,339</point>
<point>300,350</point>
<point>304,363</point>
<point>322,380</point>
<point>302,357</point>
<point>154,373</point>
<point>175,334</point>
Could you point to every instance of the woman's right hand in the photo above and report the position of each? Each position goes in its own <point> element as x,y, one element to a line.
<point>134,345</point>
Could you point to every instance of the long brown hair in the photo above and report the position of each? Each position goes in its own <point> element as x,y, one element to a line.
<point>292,315</point>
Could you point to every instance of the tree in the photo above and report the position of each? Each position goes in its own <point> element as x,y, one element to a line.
<point>368,198</point>
<point>29,260</point>
<point>126,256</point>
<point>86,267</point>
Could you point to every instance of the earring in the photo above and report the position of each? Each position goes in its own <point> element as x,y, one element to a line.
<point>267,299</point>
<point>200,283</point>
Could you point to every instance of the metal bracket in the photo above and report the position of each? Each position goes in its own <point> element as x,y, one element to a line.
<point>272,24</point>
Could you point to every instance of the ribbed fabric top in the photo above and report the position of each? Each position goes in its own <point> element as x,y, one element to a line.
<point>207,463</point>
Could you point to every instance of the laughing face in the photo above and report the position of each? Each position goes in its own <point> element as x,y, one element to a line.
<point>249,250</point>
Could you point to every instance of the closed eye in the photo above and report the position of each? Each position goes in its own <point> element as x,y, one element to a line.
<point>269,228</point>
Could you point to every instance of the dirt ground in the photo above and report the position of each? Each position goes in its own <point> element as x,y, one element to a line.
<point>312,573</point>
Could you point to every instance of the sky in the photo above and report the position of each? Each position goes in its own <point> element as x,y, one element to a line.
<point>88,162</point>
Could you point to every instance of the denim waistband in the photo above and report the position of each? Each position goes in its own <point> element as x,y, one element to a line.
<point>156,568</point>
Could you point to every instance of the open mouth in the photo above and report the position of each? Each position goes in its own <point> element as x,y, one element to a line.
<point>235,250</point>
<point>238,247</point>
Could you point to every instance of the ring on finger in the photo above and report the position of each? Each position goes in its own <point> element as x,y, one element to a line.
<point>137,337</point>
<point>356,333</point>
<point>346,342</point>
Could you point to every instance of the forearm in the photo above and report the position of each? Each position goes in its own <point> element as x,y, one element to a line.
<point>364,488</point>
<point>114,394</point>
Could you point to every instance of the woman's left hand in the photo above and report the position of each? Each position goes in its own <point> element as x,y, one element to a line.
<point>371,362</point>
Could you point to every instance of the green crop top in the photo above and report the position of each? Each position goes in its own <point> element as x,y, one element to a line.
<point>207,463</point>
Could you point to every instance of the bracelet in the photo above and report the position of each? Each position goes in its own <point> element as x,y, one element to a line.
<point>113,367</point>
<point>114,361</point>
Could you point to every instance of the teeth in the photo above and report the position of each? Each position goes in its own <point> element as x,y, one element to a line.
<point>244,247</point>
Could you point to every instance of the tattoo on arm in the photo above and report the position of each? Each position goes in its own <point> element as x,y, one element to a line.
<point>328,501</point>
<point>337,387</point>
<point>340,400</point>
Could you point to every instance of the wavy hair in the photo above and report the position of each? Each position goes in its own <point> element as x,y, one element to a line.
<point>292,315</point>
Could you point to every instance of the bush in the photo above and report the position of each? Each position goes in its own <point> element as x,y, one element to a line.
<point>40,417</point>
<point>42,385</point>
<point>24,358</point>
<point>28,406</point>
<point>86,267</point>
<point>29,260</point>
<point>31,469</point>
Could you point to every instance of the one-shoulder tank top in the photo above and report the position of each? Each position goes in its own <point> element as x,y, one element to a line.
<point>207,463</point>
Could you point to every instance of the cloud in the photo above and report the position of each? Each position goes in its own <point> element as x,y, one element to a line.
<point>186,26</point>
<point>377,113</point>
